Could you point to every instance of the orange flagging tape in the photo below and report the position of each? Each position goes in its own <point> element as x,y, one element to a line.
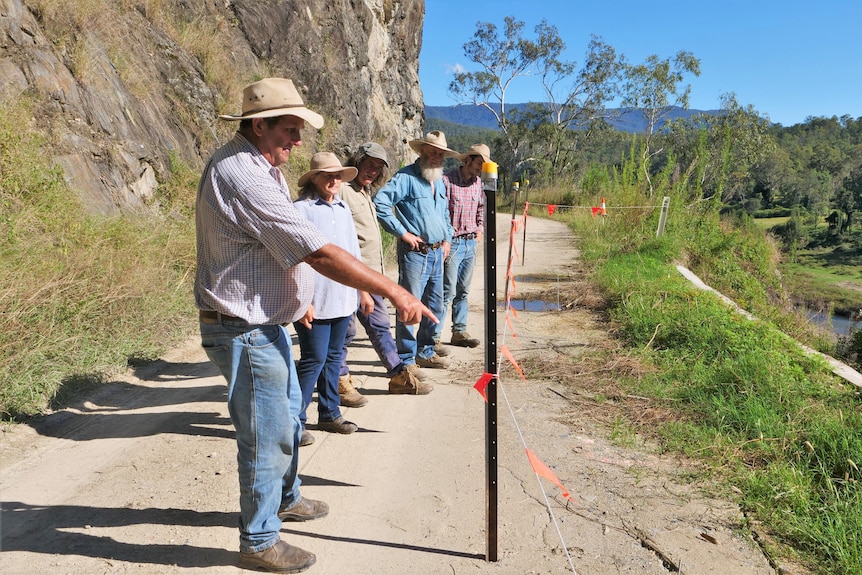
<point>482,385</point>
<point>543,470</point>
<point>551,209</point>
<point>513,310</point>
<point>511,328</point>
<point>511,358</point>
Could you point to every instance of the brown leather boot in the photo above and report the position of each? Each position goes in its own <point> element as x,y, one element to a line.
<point>463,339</point>
<point>348,394</point>
<point>434,362</point>
<point>280,558</point>
<point>417,371</point>
<point>440,349</point>
<point>405,382</point>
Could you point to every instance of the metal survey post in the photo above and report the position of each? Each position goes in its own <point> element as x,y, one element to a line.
<point>509,262</point>
<point>489,183</point>
<point>665,203</point>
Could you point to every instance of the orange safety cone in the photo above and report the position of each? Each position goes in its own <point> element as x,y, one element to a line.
<point>604,208</point>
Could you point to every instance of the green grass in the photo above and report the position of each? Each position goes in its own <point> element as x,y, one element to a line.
<point>81,295</point>
<point>766,223</point>
<point>766,418</point>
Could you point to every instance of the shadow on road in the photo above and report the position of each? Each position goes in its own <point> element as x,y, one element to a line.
<point>124,409</point>
<point>50,530</point>
<point>389,544</point>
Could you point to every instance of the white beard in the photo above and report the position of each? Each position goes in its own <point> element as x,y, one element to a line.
<point>431,174</point>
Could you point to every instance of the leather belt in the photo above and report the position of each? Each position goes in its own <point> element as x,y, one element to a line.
<point>424,248</point>
<point>470,236</point>
<point>208,316</point>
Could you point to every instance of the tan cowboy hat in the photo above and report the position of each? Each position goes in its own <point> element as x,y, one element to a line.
<point>327,162</point>
<point>476,150</point>
<point>273,97</point>
<point>436,139</point>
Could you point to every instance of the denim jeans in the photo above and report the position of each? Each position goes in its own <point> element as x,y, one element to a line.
<point>422,275</point>
<point>319,362</point>
<point>264,400</point>
<point>379,332</point>
<point>457,274</point>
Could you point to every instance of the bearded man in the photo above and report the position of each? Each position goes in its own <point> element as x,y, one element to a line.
<point>412,206</point>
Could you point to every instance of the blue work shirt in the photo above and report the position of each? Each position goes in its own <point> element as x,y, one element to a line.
<point>407,204</point>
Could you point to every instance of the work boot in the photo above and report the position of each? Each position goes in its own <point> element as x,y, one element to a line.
<point>405,382</point>
<point>433,362</point>
<point>348,394</point>
<point>304,510</point>
<point>307,439</point>
<point>440,349</point>
<point>339,425</point>
<point>417,371</point>
<point>463,339</point>
<point>280,558</point>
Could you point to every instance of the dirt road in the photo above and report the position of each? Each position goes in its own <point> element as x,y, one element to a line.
<point>141,478</point>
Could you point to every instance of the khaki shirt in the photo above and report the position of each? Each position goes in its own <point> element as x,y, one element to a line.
<point>365,220</point>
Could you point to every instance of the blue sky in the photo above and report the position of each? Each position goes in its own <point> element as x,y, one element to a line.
<point>789,60</point>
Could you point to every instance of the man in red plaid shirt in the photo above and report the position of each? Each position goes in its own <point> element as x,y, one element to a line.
<point>466,197</point>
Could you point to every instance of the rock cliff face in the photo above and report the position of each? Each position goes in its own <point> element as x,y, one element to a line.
<point>123,87</point>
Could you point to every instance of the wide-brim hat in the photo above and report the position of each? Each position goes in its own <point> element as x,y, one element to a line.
<point>273,97</point>
<point>436,139</point>
<point>476,150</point>
<point>329,163</point>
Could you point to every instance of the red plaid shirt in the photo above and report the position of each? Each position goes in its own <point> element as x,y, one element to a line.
<point>466,203</point>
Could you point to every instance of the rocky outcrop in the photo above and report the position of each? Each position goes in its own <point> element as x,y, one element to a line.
<point>122,95</point>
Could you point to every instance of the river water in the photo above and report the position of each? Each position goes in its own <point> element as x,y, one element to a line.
<point>841,324</point>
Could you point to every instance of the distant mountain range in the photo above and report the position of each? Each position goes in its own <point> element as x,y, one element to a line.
<point>623,120</point>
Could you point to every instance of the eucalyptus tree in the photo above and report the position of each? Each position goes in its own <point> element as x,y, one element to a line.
<point>575,103</point>
<point>573,98</point>
<point>655,87</point>
<point>717,152</point>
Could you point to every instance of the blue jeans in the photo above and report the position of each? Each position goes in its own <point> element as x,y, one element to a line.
<point>379,332</point>
<point>320,359</point>
<point>421,275</point>
<point>457,274</point>
<point>264,400</point>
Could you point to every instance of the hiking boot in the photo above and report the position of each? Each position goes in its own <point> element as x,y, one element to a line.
<point>307,439</point>
<point>440,349</point>
<point>280,558</point>
<point>405,382</point>
<point>304,510</point>
<point>417,371</point>
<point>463,339</point>
<point>433,362</point>
<point>348,394</point>
<point>339,425</point>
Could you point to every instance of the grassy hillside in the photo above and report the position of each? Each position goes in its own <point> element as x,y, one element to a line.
<point>82,296</point>
<point>770,425</point>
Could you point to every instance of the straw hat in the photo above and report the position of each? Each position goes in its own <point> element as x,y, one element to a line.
<point>476,150</point>
<point>327,162</point>
<point>436,139</point>
<point>273,97</point>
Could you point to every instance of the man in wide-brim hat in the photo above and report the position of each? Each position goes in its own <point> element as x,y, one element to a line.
<point>248,286</point>
<point>412,207</point>
<point>372,163</point>
<point>466,199</point>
